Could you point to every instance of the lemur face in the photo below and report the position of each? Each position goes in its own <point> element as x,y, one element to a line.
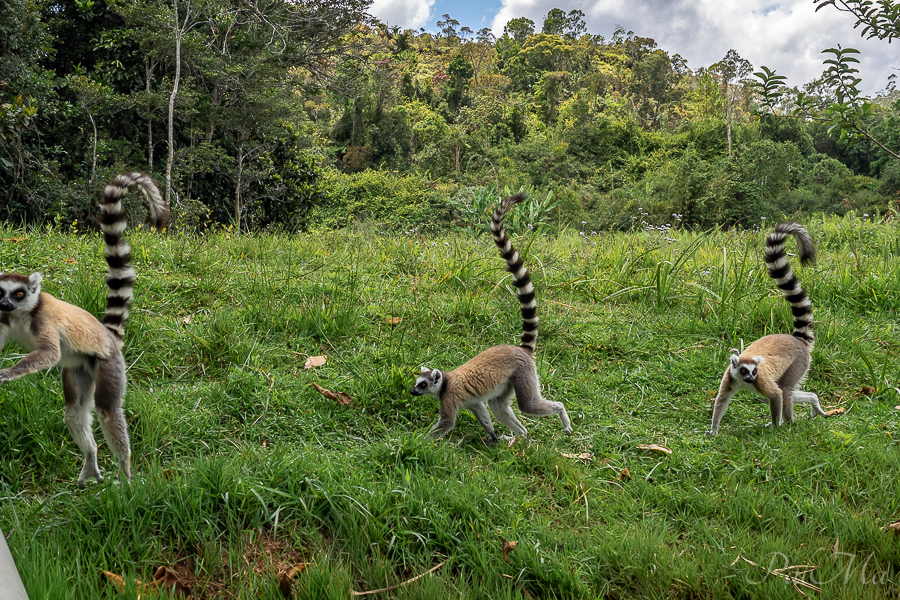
<point>18,291</point>
<point>428,382</point>
<point>745,369</point>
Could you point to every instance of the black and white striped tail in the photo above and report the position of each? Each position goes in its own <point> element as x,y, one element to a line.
<point>521,277</point>
<point>780,271</point>
<point>118,253</point>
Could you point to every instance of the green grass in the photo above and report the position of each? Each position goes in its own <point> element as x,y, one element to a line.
<point>242,467</point>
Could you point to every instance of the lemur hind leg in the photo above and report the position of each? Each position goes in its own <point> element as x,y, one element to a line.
<point>808,397</point>
<point>502,409</point>
<point>78,389</point>
<point>528,394</point>
<point>108,400</point>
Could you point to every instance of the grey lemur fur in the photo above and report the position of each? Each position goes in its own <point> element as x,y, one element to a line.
<point>775,365</point>
<point>89,353</point>
<point>498,373</point>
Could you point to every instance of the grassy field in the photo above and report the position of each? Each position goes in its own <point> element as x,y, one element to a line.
<point>242,468</point>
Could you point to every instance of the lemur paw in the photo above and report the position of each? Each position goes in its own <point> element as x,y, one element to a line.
<point>712,432</point>
<point>4,377</point>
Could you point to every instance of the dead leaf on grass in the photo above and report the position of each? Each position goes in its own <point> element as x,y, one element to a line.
<point>286,578</point>
<point>897,407</point>
<point>339,397</point>
<point>507,548</point>
<point>315,361</point>
<point>186,320</point>
<point>166,578</point>
<point>655,448</point>
<point>163,579</point>
<point>582,456</point>
<point>835,411</point>
<point>624,474</point>
<point>866,390</point>
<point>895,527</point>
<point>71,261</point>
<point>392,321</point>
<point>170,474</point>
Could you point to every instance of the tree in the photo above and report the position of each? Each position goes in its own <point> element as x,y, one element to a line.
<point>519,29</point>
<point>571,26</point>
<point>732,71</point>
<point>847,110</point>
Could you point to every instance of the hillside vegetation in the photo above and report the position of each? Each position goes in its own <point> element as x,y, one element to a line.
<point>311,115</point>
<point>242,468</point>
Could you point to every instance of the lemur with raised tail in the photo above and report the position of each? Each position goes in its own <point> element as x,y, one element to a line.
<point>88,351</point>
<point>498,374</point>
<point>775,365</point>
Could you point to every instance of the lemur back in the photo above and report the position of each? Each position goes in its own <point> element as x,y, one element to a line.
<point>88,351</point>
<point>775,365</point>
<point>499,373</point>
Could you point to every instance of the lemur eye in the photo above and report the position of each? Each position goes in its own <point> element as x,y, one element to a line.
<point>20,294</point>
<point>422,384</point>
<point>743,371</point>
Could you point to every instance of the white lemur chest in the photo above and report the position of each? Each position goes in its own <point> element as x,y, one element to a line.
<point>20,331</point>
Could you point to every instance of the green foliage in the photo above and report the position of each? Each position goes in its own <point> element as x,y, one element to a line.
<point>476,206</point>
<point>387,199</point>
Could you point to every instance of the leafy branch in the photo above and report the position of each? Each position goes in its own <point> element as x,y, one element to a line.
<point>845,113</point>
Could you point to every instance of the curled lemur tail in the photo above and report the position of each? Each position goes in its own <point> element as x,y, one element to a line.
<point>780,271</point>
<point>118,253</point>
<point>521,277</point>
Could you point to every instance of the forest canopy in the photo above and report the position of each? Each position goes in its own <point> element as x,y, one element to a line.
<point>311,114</point>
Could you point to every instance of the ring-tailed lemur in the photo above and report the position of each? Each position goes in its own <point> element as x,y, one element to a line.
<point>773,366</point>
<point>498,373</point>
<point>89,353</point>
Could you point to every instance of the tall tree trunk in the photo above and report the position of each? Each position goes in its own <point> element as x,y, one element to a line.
<point>148,70</point>
<point>179,31</point>
<point>728,119</point>
<point>238,184</point>
<point>94,151</point>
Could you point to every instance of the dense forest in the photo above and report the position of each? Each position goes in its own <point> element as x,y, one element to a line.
<point>311,114</point>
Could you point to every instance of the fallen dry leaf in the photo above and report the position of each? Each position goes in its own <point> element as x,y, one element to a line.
<point>655,448</point>
<point>836,546</point>
<point>117,581</point>
<point>166,578</point>
<point>624,474</point>
<point>895,527</point>
<point>866,390</point>
<point>163,579</point>
<point>835,411</point>
<point>507,548</point>
<point>170,474</point>
<point>286,578</point>
<point>315,361</point>
<point>339,397</point>
<point>393,321</point>
<point>187,320</point>
<point>71,261</point>
<point>897,407</point>
<point>582,456</point>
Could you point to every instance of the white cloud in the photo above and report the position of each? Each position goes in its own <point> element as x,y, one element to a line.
<point>408,14</point>
<point>788,36</point>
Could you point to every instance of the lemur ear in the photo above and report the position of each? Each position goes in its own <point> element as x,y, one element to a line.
<point>436,376</point>
<point>34,282</point>
<point>735,360</point>
<point>425,370</point>
<point>758,360</point>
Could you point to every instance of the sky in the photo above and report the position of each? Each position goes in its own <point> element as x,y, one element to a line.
<point>786,36</point>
